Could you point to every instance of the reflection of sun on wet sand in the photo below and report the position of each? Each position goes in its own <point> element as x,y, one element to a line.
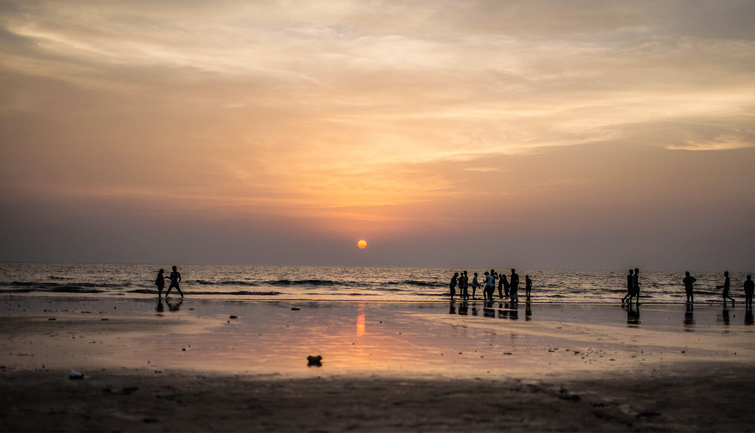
<point>402,367</point>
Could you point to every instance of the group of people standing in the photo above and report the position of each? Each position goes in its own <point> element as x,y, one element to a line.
<point>507,288</point>
<point>633,288</point>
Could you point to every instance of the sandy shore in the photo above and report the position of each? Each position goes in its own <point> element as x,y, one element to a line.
<point>227,366</point>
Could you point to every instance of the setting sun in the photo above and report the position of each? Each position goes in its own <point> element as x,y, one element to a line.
<point>362,244</point>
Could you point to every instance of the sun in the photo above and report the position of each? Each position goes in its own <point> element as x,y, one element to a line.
<point>362,244</point>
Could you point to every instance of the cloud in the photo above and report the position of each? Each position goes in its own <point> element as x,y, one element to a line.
<point>721,142</point>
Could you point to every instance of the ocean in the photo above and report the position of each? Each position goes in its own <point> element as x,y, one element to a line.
<point>342,283</point>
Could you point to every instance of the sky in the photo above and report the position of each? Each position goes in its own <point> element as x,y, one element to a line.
<point>540,134</point>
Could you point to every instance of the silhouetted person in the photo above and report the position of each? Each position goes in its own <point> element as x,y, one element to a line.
<point>630,286</point>
<point>514,289</point>
<point>506,286</point>
<point>495,276</point>
<point>636,284</point>
<point>487,294</point>
<point>464,285</point>
<point>160,282</point>
<point>175,278</point>
<point>475,284</point>
<point>453,283</point>
<point>527,286</point>
<point>748,286</point>
<point>726,285</point>
<point>688,281</point>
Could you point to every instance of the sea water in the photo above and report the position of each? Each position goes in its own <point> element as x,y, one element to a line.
<point>343,283</point>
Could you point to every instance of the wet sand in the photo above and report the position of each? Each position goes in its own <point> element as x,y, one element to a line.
<point>226,366</point>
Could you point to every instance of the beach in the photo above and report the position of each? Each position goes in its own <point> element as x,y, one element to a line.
<point>200,365</point>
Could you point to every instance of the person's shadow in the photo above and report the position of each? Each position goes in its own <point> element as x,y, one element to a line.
<point>725,315</point>
<point>514,313</point>
<point>160,307</point>
<point>488,310</point>
<point>748,317</point>
<point>689,315</point>
<point>633,314</point>
<point>464,308</point>
<point>174,305</point>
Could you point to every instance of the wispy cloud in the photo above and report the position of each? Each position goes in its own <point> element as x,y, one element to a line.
<point>722,142</point>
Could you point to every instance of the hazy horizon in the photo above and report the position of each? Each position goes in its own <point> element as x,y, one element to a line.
<point>541,135</point>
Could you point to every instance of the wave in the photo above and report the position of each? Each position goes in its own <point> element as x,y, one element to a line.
<point>417,283</point>
<point>201,293</point>
<point>75,289</point>
<point>225,283</point>
<point>53,286</point>
<point>310,282</point>
<point>281,282</point>
<point>56,288</point>
<point>31,287</point>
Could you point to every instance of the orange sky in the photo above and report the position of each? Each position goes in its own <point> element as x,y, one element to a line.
<point>540,134</point>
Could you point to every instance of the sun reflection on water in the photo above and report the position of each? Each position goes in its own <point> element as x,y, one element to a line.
<point>361,320</point>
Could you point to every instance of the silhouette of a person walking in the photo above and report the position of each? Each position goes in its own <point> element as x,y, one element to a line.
<point>175,278</point>
<point>726,285</point>
<point>630,285</point>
